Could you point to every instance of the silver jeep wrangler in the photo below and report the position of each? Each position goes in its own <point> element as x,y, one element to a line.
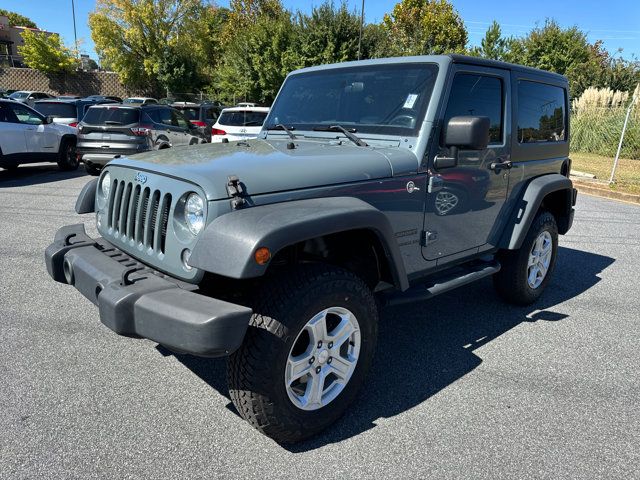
<point>379,181</point>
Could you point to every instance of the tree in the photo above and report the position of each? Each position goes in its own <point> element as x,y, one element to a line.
<point>424,27</point>
<point>134,37</point>
<point>493,46</point>
<point>18,20</point>
<point>45,52</point>
<point>328,35</point>
<point>255,63</point>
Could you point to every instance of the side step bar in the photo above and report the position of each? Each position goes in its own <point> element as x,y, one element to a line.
<point>453,280</point>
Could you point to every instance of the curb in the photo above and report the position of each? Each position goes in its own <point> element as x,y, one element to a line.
<point>603,191</point>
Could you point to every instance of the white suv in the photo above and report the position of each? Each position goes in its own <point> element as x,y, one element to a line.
<point>27,136</point>
<point>238,123</point>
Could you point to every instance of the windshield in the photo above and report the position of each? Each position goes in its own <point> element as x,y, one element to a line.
<point>384,99</point>
<point>243,118</point>
<point>19,95</point>
<point>111,116</point>
<point>133,100</point>
<point>57,110</point>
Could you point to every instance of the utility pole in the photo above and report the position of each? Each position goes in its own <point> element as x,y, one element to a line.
<point>361,25</point>
<point>75,34</point>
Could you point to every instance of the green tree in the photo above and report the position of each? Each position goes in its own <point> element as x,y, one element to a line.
<point>493,46</point>
<point>424,27</point>
<point>255,63</point>
<point>17,20</point>
<point>328,35</point>
<point>135,37</point>
<point>45,52</point>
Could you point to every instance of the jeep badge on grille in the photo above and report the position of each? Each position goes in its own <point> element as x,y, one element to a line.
<point>140,178</point>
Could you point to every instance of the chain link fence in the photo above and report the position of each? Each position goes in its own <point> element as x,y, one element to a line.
<point>605,135</point>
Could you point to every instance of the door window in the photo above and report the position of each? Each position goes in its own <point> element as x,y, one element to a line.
<point>26,115</point>
<point>7,115</point>
<point>179,119</point>
<point>478,95</point>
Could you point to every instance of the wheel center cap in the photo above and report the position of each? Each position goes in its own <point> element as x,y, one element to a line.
<point>323,356</point>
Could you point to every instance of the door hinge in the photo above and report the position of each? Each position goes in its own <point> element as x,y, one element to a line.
<point>427,238</point>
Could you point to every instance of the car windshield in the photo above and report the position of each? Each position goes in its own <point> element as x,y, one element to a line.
<point>57,110</point>
<point>133,100</point>
<point>242,118</point>
<point>192,113</point>
<point>383,99</point>
<point>111,116</point>
<point>19,95</point>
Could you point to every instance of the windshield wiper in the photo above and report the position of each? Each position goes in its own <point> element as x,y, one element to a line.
<point>347,133</point>
<point>279,126</point>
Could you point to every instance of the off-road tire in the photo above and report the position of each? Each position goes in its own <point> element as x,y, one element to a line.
<point>256,371</point>
<point>92,170</point>
<point>67,158</point>
<point>511,281</point>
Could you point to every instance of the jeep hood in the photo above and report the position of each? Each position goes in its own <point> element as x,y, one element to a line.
<point>266,166</point>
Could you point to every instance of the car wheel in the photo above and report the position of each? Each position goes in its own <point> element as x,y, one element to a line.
<point>92,169</point>
<point>68,159</point>
<point>306,353</point>
<point>525,272</point>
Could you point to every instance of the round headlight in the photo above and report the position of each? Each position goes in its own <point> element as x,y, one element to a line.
<point>105,185</point>
<point>194,213</point>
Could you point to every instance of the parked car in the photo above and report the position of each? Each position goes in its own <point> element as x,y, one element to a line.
<point>238,123</point>
<point>203,115</point>
<point>109,131</point>
<point>29,97</point>
<point>103,98</point>
<point>68,97</point>
<point>292,240</point>
<point>246,104</point>
<point>139,101</point>
<point>27,136</point>
<point>68,112</point>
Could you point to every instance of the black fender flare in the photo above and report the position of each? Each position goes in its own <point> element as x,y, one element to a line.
<point>227,245</point>
<point>161,142</point>
<point>528,206</point>
<point>86,202</point>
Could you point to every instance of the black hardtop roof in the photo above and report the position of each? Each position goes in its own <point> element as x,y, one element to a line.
<point>484,62</point>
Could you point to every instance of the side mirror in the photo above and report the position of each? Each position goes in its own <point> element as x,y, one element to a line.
<point>464,132</point>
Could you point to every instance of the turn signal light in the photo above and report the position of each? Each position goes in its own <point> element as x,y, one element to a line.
<point>262,256</point>
<point>73,124</point>
<point>198,123</point>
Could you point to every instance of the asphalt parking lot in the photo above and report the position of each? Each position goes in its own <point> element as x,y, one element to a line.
<point>463,386</point>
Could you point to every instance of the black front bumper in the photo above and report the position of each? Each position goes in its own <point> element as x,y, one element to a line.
<point>135,301</point>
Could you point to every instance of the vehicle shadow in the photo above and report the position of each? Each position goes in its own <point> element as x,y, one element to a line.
<point>434,341</point>
<point>37,174</point>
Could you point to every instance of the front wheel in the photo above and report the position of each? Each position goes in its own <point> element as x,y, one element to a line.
<point>525,272</point>
<point>308,348</point>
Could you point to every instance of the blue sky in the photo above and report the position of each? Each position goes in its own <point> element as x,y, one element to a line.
<point>616,22</point>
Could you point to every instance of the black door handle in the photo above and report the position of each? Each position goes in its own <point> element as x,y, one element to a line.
<point>497,166</point>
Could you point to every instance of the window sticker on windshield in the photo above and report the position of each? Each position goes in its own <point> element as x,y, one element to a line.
<point>410,101</point>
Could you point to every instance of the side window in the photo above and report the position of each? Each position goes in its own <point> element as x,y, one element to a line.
<point>26,115</point>
<point>6,114</point>
<point>210,114</point>
<point>479,95</point>
<point>541,113</point>
<point>163,115</point>
<point>179,119</point>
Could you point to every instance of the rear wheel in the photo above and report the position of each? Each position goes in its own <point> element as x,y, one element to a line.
<point>308,348</point>
<point>525,272</point>
<point>68,159</point>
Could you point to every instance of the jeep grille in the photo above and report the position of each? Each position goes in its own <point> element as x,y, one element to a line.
<point>139,214</point>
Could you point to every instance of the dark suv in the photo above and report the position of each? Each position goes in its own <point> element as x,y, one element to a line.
<point>202,115</point>
<point>64,111</point>
<point>111,131</point>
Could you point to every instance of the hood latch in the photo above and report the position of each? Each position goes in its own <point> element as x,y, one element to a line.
<point>236,191</point>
